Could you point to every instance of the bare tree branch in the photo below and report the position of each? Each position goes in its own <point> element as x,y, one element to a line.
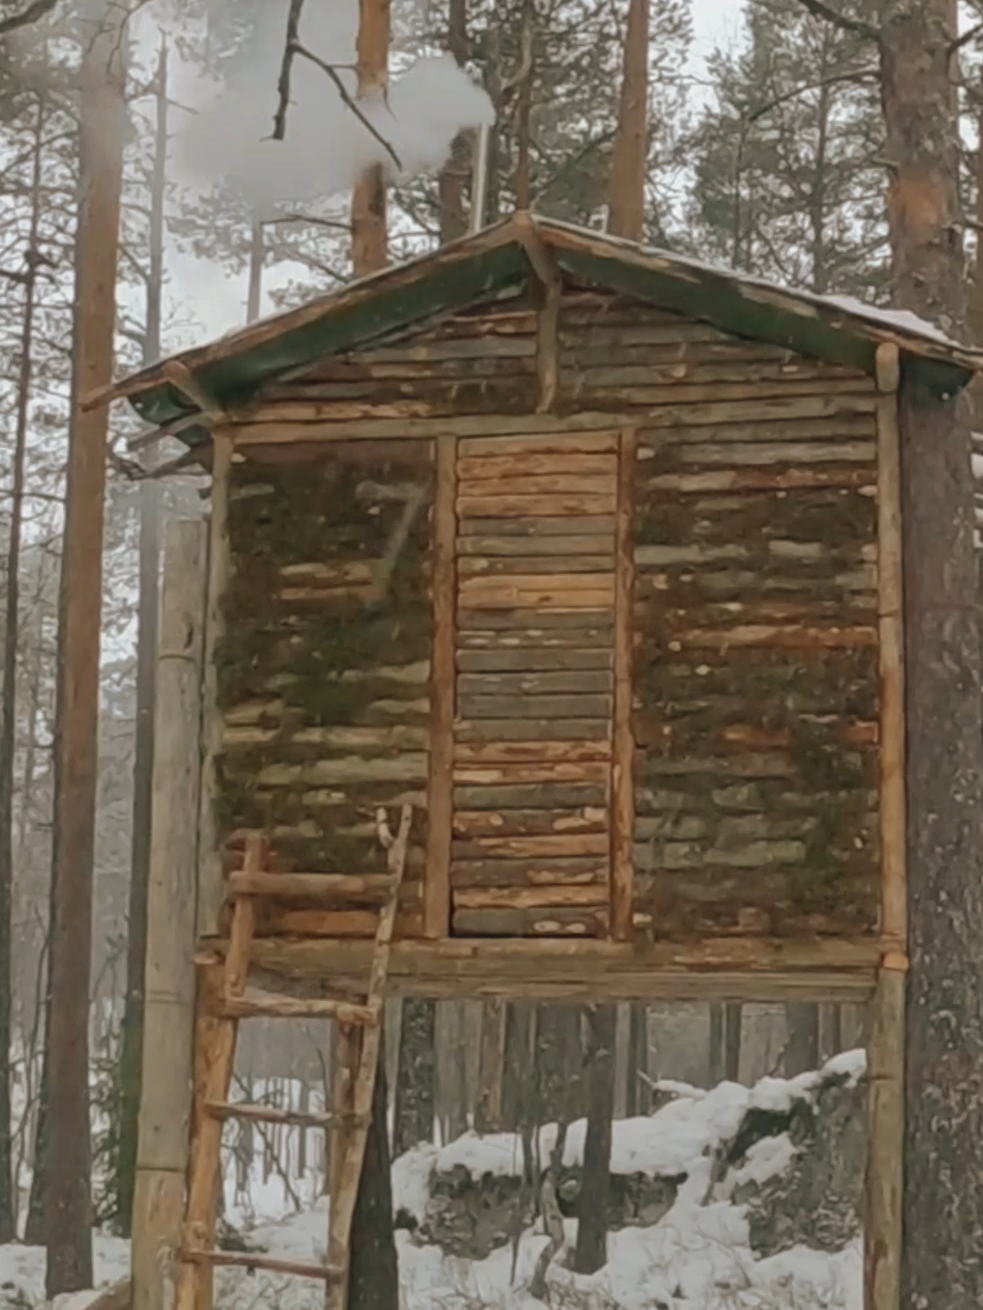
<point>293,46</point>
<point>969,35</point>
<point>34,11</point>
<point>819,9</point>
<point>283,84</point>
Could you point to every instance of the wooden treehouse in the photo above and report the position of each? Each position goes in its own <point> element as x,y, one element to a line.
<point>591,557</point>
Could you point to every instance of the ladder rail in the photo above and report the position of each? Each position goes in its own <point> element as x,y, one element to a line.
<point>359,1031</point>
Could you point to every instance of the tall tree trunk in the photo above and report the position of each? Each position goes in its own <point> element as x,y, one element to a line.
<point>626,197</point>
<point>943,1150</point>
<point>491,1058</point>
<point>517,1080</point>
<point>254,290</point>
<point>369,241</point>
<point>67,1162</point>
<point>801,1038</point>
<point>639,1095</point>
<point>592,1225</point>
<point>413,1119</point>
<point>374,1277</point>
<point>450,183</point>
<point>523,128</point>
<point>131,1056</point>
<point>374,1280</point>
<point>8,694</point>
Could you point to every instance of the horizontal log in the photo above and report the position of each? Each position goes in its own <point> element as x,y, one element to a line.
<point>532,707</point>
<point>548,871</point>
<point>709,375</point>
<point>511,774</point>
<point>785,637</point>
<point>244,432</point>
<point>529,795</point>
<point>494,731</point>
<point>276,922</point>
<point>843,427</point>
<point>511,590</point>
<point>269,1114</point>
<point>546,505</point>
<point>478,347</point>
<point>533,684</point>
<point>530,660</point>
<point>316,411</point>
<point>535,442</point>
<point>541,847</point>
<point>489,823</point>
<point>648,398</point>
<point>371,740</point>
<point>475,567</point>
<point>274,1005</point>
<point>612,335</point>
<point>561,922</point>
<point>251,1260</point>
<point>591,526</point>
<point>843,476</point>
<point>598,546</point>
<point>516,751</point>
<point>579,626</point>
<point>557,483</point>
<point>684,969</point>
<point>525,464</point>
<point>347,769</point>
<point>785,452</point>
<point>312,886</point>
<point>530,898</point>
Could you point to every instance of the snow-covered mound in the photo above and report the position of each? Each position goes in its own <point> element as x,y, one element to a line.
<point>763,1215</point>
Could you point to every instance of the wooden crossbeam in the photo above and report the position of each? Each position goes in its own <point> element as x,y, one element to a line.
<point>256,1260</point>
<point>311,886</point>
<point>270,1005</point>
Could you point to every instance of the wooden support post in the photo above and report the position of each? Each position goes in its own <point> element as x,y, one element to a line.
<point>437,884</point>
<point>884,1198</point>
<point>547,274</point>
<point>622,772</point>
<point>209,853</point>
<point>165,1108</point>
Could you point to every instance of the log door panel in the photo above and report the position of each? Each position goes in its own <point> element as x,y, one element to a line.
<point>534,653</point>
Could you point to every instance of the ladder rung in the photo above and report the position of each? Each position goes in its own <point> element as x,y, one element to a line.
<point>254,1260</point>
<point>311,886</point>
<point>269,1114</point>
<point>257,1005</point>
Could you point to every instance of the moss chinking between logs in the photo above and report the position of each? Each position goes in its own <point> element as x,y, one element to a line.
<point>299,650</point>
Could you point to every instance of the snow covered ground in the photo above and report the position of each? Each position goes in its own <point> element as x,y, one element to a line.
<point>697,1257</point>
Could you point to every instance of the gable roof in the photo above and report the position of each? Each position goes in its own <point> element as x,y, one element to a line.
<point>226,373</point>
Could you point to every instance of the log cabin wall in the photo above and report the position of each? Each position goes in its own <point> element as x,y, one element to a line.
<point>717,492</point>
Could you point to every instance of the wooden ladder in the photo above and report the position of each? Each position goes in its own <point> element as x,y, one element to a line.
<point>359,1023</point>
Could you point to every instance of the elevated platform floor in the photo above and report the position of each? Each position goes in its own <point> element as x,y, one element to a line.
<point>720,969</point>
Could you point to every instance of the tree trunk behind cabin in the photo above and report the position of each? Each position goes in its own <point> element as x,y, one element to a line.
<point>414,1110</point>
<point>148,605</point>
<point>592,1225</point>
<point>489,1100</point>
<point>369,236</point>
<point>8,693</point>
<point>374,1278</point>
<point>726,1026</point>
<point>801,1038</point>
<point>518,1064</point>
<point>626,188</point>
<point>68,1164</point>
<point>560,1068</point>
<point>454,174</point>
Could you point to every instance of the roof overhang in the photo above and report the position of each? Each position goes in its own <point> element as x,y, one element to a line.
<point>221,377</point>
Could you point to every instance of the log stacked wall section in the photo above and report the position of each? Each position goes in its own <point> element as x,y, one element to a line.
<point>755,684</point>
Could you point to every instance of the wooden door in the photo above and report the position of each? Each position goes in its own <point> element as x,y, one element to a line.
<point>536,786</point>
